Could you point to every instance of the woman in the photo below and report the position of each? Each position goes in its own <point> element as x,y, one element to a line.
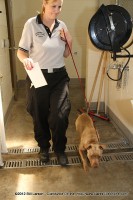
<point>44,41</point>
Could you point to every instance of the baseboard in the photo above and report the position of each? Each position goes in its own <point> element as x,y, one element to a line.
<point>120,126</point>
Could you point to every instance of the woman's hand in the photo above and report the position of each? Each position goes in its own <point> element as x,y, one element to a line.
<point>66,37</point>
<point>28,63</point>
<point>62,35</point>
<point>24,58</point>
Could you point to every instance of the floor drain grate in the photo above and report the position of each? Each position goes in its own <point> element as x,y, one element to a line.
<point>106,158</point>
<point>23,150</point>
<point>117,157</point>
<point>28,163</point>
<point>69,148</point>
<point>128,157</point>
<point>118,145</point>
<point>13,164</point>
<point>73,160</point>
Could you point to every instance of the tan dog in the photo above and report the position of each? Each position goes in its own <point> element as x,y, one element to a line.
<point>89,141</point>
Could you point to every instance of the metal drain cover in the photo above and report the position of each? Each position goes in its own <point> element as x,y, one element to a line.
<point>69,148</point>
<point>74,160</point>
<point>111,154</point>
<point>28,163</point>
<point>127,156</point>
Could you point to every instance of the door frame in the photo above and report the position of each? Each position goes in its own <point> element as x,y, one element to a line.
<point>12,48</point>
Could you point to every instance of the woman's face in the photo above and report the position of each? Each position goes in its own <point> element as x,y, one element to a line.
<point>52,9</point>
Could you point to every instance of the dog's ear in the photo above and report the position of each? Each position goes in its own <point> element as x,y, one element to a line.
<point>102,146</point>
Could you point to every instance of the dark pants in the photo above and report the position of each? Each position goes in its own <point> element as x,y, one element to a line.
<point>49,107</point>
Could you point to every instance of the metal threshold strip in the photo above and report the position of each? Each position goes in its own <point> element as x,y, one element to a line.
<point>73,160</point>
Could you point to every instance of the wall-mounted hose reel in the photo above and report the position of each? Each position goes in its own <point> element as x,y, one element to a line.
<point>109,29</point>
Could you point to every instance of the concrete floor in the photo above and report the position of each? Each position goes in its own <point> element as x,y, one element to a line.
<point>58,182</point>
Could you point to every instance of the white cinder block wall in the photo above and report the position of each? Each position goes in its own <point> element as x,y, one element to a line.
<point>6,87</point>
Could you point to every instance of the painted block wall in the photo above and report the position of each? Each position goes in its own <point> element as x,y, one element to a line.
<point>22,11</point>
<point>121,99</point>
<point>6,86</point>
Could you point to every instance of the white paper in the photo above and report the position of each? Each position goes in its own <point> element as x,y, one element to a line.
<point>36,76</point>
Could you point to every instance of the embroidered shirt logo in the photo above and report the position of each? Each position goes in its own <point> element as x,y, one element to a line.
<point>40,34</point>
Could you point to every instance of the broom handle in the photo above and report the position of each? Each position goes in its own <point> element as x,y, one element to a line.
<point>105,87</point>
<point>100,90</point>
<point>101,84</point>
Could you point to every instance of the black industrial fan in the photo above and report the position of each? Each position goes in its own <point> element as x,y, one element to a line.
<point>110,28</point>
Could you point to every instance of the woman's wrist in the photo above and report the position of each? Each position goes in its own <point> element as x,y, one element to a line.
<point>28,63</point>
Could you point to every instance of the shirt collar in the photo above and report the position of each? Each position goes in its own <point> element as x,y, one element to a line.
<point>39,21</point>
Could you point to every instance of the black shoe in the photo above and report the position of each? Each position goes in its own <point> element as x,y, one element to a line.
<point>62,159</point>
<point>44,155</point>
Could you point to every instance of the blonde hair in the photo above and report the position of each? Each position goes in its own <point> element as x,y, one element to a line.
<point>46,1</point>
